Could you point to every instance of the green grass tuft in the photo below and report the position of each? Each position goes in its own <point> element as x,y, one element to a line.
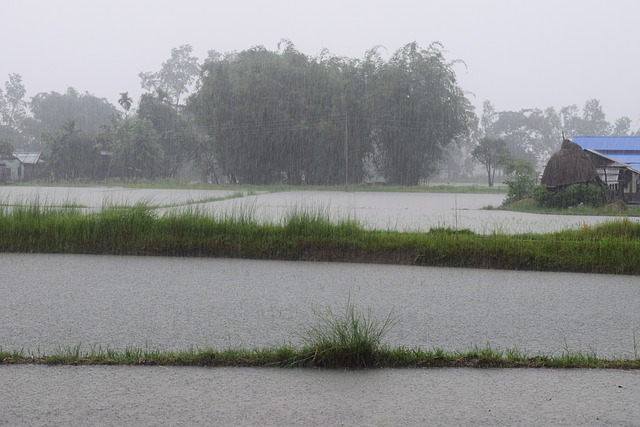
<point>348,339</point>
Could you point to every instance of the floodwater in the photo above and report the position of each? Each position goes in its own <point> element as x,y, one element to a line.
<point>58,301</point>
<point>141,396</point>
<point>374,210</point>
<point>52,301</point>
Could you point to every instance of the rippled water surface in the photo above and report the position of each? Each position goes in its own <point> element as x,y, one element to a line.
<point>52,301</point>
<point>116,396</point>
<point>395,211</point>
<point>58,301</point>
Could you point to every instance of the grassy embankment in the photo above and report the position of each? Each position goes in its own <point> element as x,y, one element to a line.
<point>613,209</point>
<point>290,357</point>
<point>613,247</point>
<point>349,339</point>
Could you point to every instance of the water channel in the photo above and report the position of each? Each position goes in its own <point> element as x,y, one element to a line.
<point>53,301</point>
<point>58,301</point>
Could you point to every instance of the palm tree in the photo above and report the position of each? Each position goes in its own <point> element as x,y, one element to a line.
<point>125,102</point>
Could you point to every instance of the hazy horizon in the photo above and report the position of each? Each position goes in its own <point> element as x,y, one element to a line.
<point>517,54</point>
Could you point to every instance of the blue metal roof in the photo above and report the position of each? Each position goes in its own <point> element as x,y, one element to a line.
<point>622,149</point>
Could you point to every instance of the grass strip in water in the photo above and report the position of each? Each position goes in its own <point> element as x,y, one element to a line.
<point>345,340</point>
<point>289,357</point>
<point>612,247</point>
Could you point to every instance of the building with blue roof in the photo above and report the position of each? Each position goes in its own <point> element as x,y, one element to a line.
<point>617,159</point>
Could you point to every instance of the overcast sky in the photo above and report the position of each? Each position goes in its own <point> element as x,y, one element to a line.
<point>518,54</point>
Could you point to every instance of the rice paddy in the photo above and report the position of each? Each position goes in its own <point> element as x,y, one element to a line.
<point>310,234</point>
<point>349,340</point>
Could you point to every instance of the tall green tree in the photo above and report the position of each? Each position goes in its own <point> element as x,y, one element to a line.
<point>418,109</point>
<point>279,116</point>
<point>591,122</point>
<point>71,154</point>
<point>52,110</point>
<point>125,102</point>
<point>136,150</point>
<point>622,126</point>
<point>13,107</point>
<point>490,152</point>
<point>13,110</point>
<point>175,130</point>
<point>176,75</point>
<point>531,134</point>
<point>594,120</point>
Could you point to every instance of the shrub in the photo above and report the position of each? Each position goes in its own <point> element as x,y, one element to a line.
<point>571,195</point>
<point>521,187</point>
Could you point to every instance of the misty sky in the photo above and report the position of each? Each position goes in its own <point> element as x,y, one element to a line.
<point>519,54</point>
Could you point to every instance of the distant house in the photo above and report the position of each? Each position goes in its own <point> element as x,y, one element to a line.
<point>31,164</point>
<point>19,167</point>
<point>617,160</point>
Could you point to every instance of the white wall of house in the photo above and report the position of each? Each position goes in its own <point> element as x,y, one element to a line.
<point>14,168</point>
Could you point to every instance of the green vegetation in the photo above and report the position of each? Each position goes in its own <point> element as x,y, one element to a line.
<point>349,339</point>
<point>351,119</point>
<point>312,236</point>
<point>571,195</point>
<point>519,187</point>
<point>521,178</point>
<point>290,357</point>
<point>617,208</point>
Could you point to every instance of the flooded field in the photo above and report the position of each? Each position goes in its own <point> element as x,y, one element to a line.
<point>58,301</point>
<point>174,303</point>
<point>374,210</point>
<point>116,396</point>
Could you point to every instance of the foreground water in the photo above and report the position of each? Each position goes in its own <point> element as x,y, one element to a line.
<point>116,396</point>
<point>60,301</point>
<point>52,301</point>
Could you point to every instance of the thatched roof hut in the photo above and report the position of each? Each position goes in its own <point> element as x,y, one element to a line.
<point>570,165</point>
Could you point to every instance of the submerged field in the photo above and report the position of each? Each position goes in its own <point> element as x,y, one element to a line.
<point>185,225</point>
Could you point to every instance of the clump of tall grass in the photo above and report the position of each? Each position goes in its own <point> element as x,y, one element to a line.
<point>349,339</point>
<point>623,228</point>
<point>317,223</point>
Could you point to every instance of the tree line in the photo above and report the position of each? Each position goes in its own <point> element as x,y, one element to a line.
<point>264,117</point>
